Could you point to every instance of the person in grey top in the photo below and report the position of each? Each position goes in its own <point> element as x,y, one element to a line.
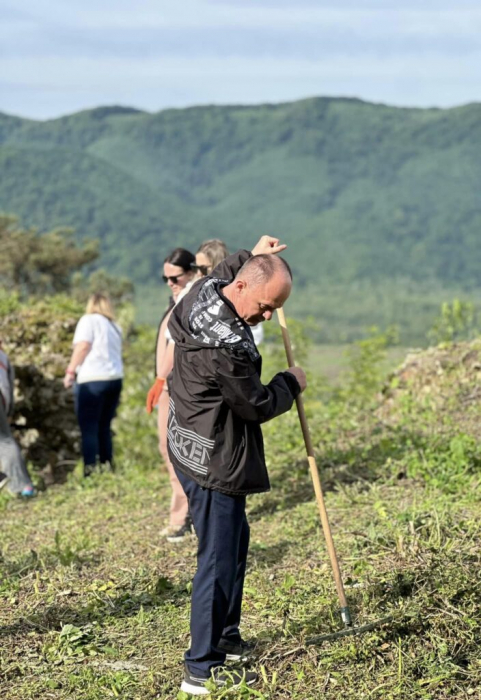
<point>13,471</point>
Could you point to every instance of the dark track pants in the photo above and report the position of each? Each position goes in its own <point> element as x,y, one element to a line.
<point>223,533</point>
<point>95,406</point>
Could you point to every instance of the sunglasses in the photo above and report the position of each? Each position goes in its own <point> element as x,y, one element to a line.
<point>173,278</point>
<point>203,269</point>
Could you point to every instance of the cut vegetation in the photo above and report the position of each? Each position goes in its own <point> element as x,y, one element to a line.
<point>95,605</point>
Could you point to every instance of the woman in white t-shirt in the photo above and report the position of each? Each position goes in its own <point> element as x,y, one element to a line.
<point>97,370</point>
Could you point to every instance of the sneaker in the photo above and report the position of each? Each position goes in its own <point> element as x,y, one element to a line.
<point>106,467</point>
<point>89,469</point>
<point>28,492</point>
<point>221,677</point>
<point>179,534</point>
<point>236,651</point>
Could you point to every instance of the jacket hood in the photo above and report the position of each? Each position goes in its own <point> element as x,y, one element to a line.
<point>205,318</point>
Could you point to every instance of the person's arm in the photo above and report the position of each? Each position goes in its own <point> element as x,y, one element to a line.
<point>228,268</point>
<point>80,352</point>
<point>160,349</point>
<point>244,392</point>
<point>167,364</point>
<point>164,361</point>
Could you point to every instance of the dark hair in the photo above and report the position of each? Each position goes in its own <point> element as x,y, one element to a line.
<point>182,258</point>
<point>263,267</point>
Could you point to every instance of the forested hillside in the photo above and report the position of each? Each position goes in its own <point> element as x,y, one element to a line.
<point>380,205</point>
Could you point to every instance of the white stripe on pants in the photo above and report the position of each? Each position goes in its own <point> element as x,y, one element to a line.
<point>179,506</point>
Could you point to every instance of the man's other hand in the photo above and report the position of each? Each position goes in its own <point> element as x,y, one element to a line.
<point>300,375</point>
<point>268,244</point>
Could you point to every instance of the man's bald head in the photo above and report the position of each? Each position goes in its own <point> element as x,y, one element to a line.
<point>262,285</point>
<point>260,268</point>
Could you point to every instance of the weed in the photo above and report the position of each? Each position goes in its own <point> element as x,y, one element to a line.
<point>72,643</point>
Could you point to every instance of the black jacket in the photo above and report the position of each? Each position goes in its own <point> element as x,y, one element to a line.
<point>217,399</point>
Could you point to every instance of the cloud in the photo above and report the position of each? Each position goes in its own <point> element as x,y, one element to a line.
<point>63,56</point>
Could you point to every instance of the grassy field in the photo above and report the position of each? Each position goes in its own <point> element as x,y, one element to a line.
<point>332,360</point>
<point>95,605</point>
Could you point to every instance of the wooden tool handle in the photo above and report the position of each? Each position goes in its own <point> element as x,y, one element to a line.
<point>315,477</point>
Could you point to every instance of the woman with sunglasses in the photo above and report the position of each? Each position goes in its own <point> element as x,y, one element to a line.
<point>209,255</point>
<point>178,275</point>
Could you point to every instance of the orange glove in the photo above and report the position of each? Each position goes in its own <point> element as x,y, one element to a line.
<point>154,394</point>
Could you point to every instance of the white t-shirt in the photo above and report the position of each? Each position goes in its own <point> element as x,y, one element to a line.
<point>258,333</point>
<point>104,360</point>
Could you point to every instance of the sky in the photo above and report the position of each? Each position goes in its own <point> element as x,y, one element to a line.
<point>62,56</point>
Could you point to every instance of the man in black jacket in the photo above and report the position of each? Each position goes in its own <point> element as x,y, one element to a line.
<point>217,406</point>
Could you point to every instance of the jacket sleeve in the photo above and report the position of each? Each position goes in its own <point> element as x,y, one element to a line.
<point>244,392</point>
<point>230,266</point>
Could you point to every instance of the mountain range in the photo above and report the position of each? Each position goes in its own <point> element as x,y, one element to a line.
<point>380,206</point>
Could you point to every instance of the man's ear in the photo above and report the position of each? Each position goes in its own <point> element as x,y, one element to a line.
<point>240,285</point>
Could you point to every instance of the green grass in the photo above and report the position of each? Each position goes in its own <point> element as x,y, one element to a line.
<point>332,361</point>
<point>95,605</point>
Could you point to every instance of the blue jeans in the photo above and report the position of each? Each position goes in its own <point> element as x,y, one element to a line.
<point>223,533</point>
<point>95,406</point>
<point>12,463</point>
